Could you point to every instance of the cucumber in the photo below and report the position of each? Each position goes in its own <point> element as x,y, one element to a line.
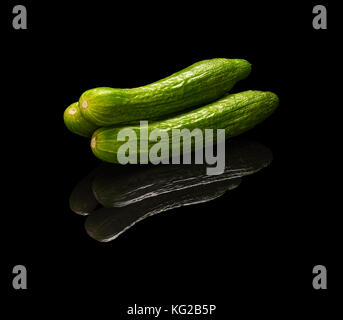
<point>236,113</point>
<point>76,123</point>
<point>201,83</point>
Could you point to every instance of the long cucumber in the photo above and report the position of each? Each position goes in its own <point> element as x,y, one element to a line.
<point>236,113</point>
<point>200,83</point>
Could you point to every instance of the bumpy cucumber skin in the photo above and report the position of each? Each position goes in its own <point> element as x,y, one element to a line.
<point>200,83</point>
<point>236,113</point>
<point>76,123</point>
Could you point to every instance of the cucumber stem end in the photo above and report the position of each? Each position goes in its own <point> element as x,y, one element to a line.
<point>84,104</point>
<point>72,111</point>
<point>93,142</point>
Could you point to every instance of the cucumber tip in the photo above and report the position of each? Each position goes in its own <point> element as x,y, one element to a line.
<point>84,104</point>
<point>93,142</point>
<point>72,111</point>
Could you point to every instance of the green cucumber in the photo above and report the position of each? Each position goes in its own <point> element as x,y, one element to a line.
<point>76,123</point>
<point>236,113</point>
<point>201,83</point>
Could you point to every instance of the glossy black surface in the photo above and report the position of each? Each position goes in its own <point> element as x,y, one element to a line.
<point>132,193</point>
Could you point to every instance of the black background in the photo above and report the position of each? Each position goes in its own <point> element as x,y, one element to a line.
<point>248,251</point>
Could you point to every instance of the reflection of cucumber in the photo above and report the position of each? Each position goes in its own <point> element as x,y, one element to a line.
<point>76,123</point>
<point>106,224</point>
<point>198,84</point>
<point>134,192</point>
<point>236,113</point>
<point>82,200</point>
<point>118,186</point>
